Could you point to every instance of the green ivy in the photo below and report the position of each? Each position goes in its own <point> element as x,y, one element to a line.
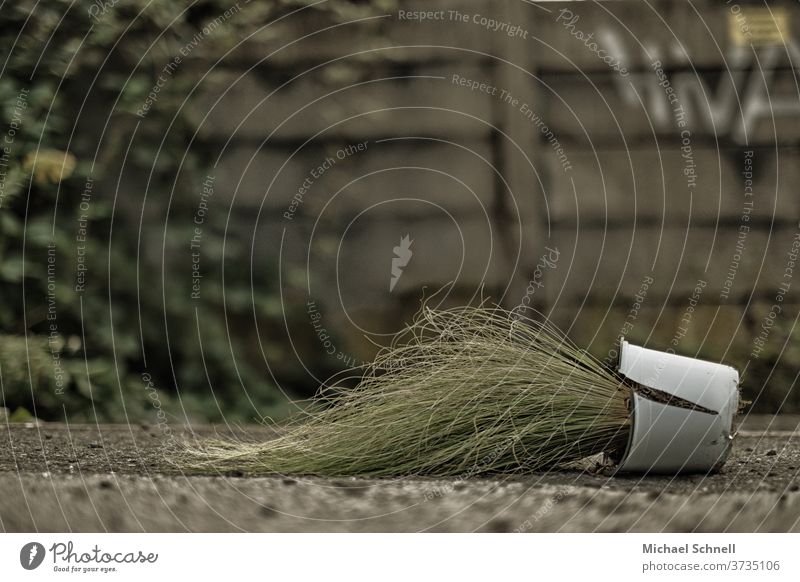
<point>75,73</point>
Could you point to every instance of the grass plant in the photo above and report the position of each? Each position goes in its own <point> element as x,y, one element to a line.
<point>459,392</point>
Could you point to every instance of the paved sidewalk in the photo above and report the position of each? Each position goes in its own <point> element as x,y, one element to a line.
<point>116,478</point>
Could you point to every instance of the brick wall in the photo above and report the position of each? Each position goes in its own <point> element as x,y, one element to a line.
<point>628,162</point>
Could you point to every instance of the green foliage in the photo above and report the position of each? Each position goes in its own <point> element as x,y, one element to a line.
<point>459,392</point>
<point>76,73</point>
<point>771,377</point>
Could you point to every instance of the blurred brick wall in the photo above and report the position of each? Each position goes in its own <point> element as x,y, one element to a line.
<point>630,163</point>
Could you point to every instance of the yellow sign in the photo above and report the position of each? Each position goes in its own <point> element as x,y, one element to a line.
<point>748,25</point>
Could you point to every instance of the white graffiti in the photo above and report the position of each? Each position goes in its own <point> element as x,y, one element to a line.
<point>745,95</point>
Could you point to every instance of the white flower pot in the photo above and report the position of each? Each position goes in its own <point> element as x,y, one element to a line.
<point>690,433</point>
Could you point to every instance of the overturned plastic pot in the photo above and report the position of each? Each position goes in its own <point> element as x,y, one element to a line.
<point>682,412</point>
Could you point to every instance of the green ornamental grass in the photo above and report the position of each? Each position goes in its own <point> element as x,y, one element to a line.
<point>463,391</point>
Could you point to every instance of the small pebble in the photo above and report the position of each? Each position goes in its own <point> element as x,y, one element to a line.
<point>499,526</point>
<point>772,453</point>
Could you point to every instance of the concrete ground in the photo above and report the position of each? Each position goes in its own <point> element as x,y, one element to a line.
<point>55,477</point>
